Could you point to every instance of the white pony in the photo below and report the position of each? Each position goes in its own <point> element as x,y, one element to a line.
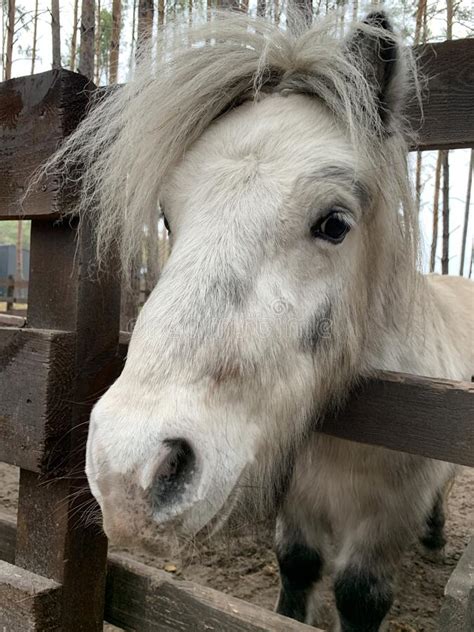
<point>280,163</point>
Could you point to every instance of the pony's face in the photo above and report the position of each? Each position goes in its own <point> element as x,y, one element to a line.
<point>286,226</point>
<point>268,211</point>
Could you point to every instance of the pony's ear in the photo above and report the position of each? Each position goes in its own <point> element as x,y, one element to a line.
<point>373,47</point>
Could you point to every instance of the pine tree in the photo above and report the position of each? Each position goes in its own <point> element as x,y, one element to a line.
<point>35,38</point>
<point>445,159</point>
<point>97,38</point>
<point>10,34</point>
<point>86,53</point>
<point>145,21</point>
<point>445,216</point>
<point>72,61</point>
<point>466,213</point>
<point>56,33</point>
<point>115,40</point>
<point>434,238</point>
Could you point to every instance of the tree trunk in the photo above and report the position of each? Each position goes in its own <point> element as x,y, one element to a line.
<point>19,252</point>
<point>418,180</point>
<point>445,245</point>
<point>434,239</point>
<point>276,11</point>
<point>420,20</point>
<point>35,38</point>
<point>134,39</point>
<point>449,19</point>
<point>261,8</point>
<point>145,21</point>
<point>161,12</point>
<point>230,5</point>
<point>466,213</point>
<point>56,33</point>
<point>10,33</point>
<point>115,40</point>
<point>72,61</point>
<point>98,68</point>
<point>86,53</point>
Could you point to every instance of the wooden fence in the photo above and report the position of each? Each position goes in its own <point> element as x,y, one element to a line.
<point>56,363</point>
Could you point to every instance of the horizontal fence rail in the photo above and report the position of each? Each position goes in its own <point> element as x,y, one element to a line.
<point>139,597</point>
<point>34,420</point>
<point>424,416</point>
<point>145,599</point>
<point>447,121</point>
<point>39,111</point>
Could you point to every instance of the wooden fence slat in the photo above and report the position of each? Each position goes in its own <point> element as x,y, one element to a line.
<point>36,113</point>
<point>36,372</point>
<point>425,416</point>
<point>142,598</point>
<point>52,540</point>
<point>28,602</point>
<point>448,101</point>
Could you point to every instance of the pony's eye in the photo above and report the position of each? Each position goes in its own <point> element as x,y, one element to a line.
<point>167,226</point>
<point>333,227</point>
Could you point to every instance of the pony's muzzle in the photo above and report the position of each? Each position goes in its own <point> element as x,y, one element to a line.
<point>150,471</point>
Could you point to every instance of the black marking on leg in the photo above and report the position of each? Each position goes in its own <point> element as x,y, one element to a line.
<point>300,568</point>
<point>433,537</point>
<point>363,599</point>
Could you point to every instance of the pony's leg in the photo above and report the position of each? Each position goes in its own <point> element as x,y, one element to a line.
<point>301,567</point>
<point>365,566</point>
<point>433,538</point>
<point>363,598</point>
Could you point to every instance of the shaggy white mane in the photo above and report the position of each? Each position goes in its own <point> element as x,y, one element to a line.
<point>120,156</point>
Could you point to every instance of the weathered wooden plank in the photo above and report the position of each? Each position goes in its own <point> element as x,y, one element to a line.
<point>36,113</point>
<point>425,416</point>
<point>28,602</point>
<point>448,110</point>
<point>36,371</point>
<point>53,538</point>
<point>143,598</point>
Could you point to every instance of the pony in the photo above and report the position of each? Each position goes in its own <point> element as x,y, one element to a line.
<point>279,159</point>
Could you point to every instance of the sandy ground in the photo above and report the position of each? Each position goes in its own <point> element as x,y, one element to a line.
<point>246,568</point>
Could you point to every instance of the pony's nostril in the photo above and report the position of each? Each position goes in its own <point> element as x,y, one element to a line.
<point>174,473</point>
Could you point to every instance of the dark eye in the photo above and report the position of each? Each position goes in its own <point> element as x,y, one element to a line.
<point>333,227</point>
<point>167,226</point>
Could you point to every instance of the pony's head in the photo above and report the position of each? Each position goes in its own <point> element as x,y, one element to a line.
<point>279,162</point>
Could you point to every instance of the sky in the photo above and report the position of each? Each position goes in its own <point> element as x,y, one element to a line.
<point>459,159</point>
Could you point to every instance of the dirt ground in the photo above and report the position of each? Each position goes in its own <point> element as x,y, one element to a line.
<point>246,568</point>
